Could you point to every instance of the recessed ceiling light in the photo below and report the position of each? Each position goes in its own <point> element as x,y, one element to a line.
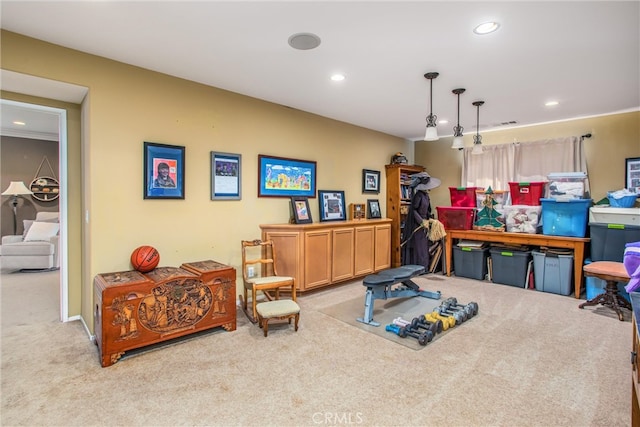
<point>486,28</point>
<point>443,122</point>
<point>551,103</point>
<point>304,41</point>
<point>337,77</point>
<point>19,123</point>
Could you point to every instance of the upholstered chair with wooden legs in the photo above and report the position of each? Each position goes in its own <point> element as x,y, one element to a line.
<point>259,274</point>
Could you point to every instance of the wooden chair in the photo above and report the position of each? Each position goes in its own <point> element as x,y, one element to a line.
<point>612,273</point>
<point>259,257</point>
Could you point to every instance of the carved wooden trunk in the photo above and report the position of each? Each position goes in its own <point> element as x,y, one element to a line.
<point>133,310</point>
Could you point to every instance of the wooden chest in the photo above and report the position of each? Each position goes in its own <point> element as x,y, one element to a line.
<point>133,310</point>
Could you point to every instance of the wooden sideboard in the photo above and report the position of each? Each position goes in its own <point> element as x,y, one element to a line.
<point>321,254</point>
<point>575,243</point>
<point>133,310</point>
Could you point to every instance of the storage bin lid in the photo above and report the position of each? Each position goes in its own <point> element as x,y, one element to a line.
<point>560,175</point>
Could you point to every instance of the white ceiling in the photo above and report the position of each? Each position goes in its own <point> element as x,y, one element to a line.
<point>584,54</point>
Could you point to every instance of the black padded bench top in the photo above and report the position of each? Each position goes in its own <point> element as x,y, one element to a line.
<point>392,275</point>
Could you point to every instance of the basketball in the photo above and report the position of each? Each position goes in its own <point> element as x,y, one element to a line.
<point>145,258</point>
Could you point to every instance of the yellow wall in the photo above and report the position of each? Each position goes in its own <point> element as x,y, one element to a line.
<point>127,105</point>
<point>614,138</point>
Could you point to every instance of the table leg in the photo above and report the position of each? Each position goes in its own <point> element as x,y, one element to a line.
<point>448,253</point>
<point>578,262</point>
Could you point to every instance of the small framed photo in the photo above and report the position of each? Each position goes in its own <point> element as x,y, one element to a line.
<point>226,181</point>
<point>632,177</point>
<point>163,171</point>
<point>301,212</point>
<point>373,209</point>
<point>331,205</point>
<point>370,181</point>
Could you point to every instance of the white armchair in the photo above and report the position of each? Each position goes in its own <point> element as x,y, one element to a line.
<point>37,249</point>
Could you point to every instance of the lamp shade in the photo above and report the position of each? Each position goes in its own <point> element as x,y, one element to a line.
<point>477,149</point>
<point>16,188</point>
<point>458,143</point>
<point>431,134</point>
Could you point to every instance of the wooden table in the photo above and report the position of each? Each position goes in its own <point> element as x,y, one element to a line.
<point>575,243</point>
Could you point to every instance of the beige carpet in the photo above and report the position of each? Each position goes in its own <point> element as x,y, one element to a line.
<point>386,310</point>
<point>528,359</point>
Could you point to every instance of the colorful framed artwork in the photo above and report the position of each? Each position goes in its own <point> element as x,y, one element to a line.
<point>331,205</point>
<point>370,181</point>
<point>632,177</point>
<point>301,212</point>
<point>163,171</point>
<point>282,177</point>
<point>373,209</point>
<point>226,183</point>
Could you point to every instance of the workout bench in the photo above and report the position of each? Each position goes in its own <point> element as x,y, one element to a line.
<point>379,286</point>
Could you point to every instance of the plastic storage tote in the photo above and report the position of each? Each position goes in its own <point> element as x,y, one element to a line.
<point>509,267</point>
<point>521,218</point>
<point>464,197</point>
<point>470,262</point>
<point>610,215</point>
<point>566,185</point>
<point>608,240</point>
<point>456,218</point>
<point>527,193</point>
<point>553,273</point>
<point>565,217</point>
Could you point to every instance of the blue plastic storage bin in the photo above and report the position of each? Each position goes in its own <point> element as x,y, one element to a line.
<point>565,217</point>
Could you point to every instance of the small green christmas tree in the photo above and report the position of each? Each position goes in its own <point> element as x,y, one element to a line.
<point>487,218</point>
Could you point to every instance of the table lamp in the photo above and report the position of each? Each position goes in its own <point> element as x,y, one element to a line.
<point>15,189</point>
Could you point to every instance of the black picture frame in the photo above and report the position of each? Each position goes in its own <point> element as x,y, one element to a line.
<point>373,209</point>
<point>301,211</point>
<point>632,175</point>
<point>370,181</point>
<point>226,176</point>
<point>170,158</point>
<point>283,177</point>
<point>332,205</point>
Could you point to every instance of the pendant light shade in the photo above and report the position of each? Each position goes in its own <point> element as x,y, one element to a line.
<point>477,139</point>
<point>458,142</point>
<point>432,132</point>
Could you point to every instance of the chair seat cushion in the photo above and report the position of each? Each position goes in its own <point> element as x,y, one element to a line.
<point>277,308</point>
<point>267,280</point>
<point>27,249</point>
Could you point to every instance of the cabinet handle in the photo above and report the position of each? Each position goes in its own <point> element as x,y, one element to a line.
<point>634,355</point>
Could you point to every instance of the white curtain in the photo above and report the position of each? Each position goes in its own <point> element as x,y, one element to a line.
<point>523,162</point>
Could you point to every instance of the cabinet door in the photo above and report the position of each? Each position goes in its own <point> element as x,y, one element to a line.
<point>288,247</point>
<point>364,250</point>
<point>317,258</point>
<point>382,247</point>
<point>342,262</point>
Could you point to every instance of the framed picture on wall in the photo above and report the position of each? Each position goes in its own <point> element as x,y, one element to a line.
<point>370,181</point>
<point>163,171</point>
<point>632,177</point>
<point>282,177</point>
<point>226,171</point>
<point>331,205</point>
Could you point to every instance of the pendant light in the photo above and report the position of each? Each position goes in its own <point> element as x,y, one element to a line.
<point>458,142</point>
<point>432,133</point>
<point>477,139</point>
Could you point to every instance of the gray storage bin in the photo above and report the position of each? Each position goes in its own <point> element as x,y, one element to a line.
<point>553,273</point>
<point>608,240</point>
<point>470,262</point>
<point>509,267</point>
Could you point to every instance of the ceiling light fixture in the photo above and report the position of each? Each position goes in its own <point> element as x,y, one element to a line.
<point>458,142</point>
<point>337,77</point>
<point>432,132</point>
<point>486,28</point>
<point>551,104</point>
<point>477,139</point>
<point>304,41</point>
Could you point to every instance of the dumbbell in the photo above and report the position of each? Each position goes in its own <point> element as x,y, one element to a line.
<point>447,322</point>
<point>423,338</point>
<point>472,305</point>
<point>452,305</point>
<point>399,321</point>
<point>422,323</point>
<point>458,314</point>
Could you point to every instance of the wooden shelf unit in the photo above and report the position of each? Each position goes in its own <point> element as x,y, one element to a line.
<point>398,201</point>
<point>321,254</point>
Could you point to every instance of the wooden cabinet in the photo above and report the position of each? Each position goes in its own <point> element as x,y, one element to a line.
<point>398,201</point>
<point>133,310</point>
<point>321,254</point>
